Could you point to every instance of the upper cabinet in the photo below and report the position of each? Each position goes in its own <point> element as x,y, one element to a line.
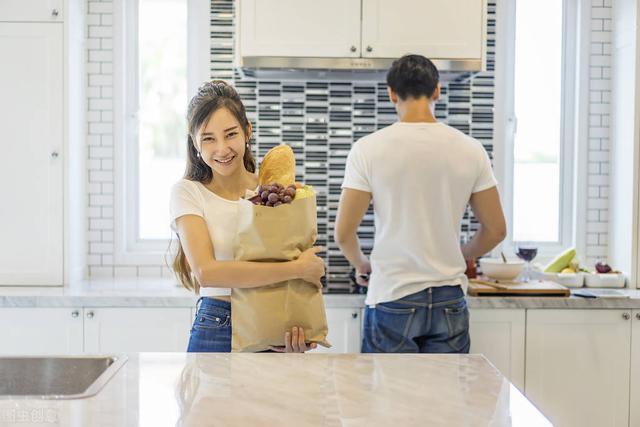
<point>356,34</point>
<point>300,28</point>
<point>31,11</point>
<point>438,29</point>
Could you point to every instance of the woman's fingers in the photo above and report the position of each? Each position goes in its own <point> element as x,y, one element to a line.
<point>287,342</point>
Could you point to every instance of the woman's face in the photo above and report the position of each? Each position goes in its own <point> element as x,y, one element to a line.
<point>221,143</point>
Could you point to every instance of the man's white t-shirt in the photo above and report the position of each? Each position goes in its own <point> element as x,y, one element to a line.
<point>221,216</point>
<point>421,176</point>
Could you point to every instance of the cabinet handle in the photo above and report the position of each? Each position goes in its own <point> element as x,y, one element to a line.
<point>626,316</point>
<point>354,315</point>
<point>369,49</point>
<point>54,12</point>
<point>90,315</point>
<point>75,313</point>
<point>353,49</point>
<point>54,154</point>
<point>638,316</point>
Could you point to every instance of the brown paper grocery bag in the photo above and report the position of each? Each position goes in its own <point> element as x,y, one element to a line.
<point>260,316</point>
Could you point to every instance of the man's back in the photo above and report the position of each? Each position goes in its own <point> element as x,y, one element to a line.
<point>421,176</point>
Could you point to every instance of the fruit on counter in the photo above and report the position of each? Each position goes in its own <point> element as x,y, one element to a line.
<point>602,268</point>
<point>561,261</point>
<point>568,270</point>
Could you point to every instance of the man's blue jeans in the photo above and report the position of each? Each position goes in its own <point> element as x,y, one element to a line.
<point>435,320</point>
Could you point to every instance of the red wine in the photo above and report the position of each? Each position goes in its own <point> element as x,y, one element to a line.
<point>527,254</point>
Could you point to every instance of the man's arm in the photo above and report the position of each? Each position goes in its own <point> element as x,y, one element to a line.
<point>351,209</point>
<point>493,229</point>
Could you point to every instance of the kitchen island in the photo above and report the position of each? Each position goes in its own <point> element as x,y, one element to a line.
<point>168,389</point>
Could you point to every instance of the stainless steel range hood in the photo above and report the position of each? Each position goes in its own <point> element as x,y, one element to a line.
<point>284,62</point>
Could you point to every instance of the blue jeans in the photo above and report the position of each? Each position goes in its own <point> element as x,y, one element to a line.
<point>211,330</point>
<point>435,320</point>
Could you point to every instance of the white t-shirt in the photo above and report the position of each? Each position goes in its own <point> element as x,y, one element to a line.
<point>220,214</point>
<point>421,176</point>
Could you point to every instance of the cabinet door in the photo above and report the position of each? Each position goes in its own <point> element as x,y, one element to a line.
<point>452,29</point>
<point>40,331</point>
<point>635,370</point>
<point>136,329</point>
<point>31,11</point>
<point>31,164</point>
<point>344,330</point>
<point>577,369</point>
<point>499,335</point>
<point>300,28</point>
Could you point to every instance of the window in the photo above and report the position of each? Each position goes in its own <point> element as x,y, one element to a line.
<point>539,83</point>
<point>164,55</point>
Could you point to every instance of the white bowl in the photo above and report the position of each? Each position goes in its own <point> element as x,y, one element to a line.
<point>496,268</point>
<point>605,280</point>
<point>570,280</point>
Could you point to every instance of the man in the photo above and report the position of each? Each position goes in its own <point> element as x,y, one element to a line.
<point>421,174</point>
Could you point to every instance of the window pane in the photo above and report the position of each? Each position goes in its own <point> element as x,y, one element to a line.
<point>162,52</point>
<point>538,77</point>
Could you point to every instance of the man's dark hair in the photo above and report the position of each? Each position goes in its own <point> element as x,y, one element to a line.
<point>413,76</point>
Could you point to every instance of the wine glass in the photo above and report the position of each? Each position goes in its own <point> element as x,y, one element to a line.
<point>526,251</point>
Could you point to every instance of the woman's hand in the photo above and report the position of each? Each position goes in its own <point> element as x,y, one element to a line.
<point>363,271</point>
<point>294,342</point>
<point>311,266</point>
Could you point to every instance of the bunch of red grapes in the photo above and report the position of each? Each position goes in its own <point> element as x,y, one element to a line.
<point>274,195</point>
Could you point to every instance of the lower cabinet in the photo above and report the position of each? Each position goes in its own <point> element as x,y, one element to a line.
<point>344,330</point>
<point>39,331</point>
<point>136,329</point>
<point>634,398</point>
<point>499,334</point>
<point>577,369</point>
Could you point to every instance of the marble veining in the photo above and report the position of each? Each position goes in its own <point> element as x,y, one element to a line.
<point>119,292</point>
<point>294,389</point>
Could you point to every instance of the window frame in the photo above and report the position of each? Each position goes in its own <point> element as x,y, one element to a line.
<point>574,125</point>
<point>129,249</point>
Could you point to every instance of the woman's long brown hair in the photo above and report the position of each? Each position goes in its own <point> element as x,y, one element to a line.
<point>211,96</point>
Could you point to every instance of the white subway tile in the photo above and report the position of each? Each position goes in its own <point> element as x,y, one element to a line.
<point>100,7</point>
<point>598,156</point>
<point>100,272</point>
<point>101,176</point>
<point>100,128</point>
<point>107,210</point>
<point>126,271</point>
<point>100,104</point>
<point>147,271</point>
<point>107,164</point>
<point>100,31</point>
<point>597,204</point>
<point>100,152</point>
<point>601,12</point>
<point>107,236</point>
<point>100,200</point>
<point>101,224</point>
<point>596,250</point>
<point>107,188</point>
<point>101,248</point>
<point>100,80</point>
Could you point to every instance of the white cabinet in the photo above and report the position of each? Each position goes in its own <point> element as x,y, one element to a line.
<point>136,329</point>
<point>344,330</point>
<point>500,336</point>
<point>31,164</point>
<point>635,370</point>
<point>39,331</point>
<point>452,29</point>
<point>360,33</point>
<point>31,11</point>
<point>298,28</point>
<point>577,365</point>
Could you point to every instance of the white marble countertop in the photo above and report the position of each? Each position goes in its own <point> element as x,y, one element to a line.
<point>178,389</point>
<point>163,292</point>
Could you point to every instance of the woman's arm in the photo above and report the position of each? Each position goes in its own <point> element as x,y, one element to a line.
<point>198,248</point>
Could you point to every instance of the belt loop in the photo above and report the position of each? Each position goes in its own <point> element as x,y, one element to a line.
<point>198,304</point>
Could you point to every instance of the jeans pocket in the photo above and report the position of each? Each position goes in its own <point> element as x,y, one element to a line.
<point>211,319</point>
<point>457,317</point>
<point>390,326</point>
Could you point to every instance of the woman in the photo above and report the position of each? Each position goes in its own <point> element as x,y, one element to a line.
<point>220,168</point>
